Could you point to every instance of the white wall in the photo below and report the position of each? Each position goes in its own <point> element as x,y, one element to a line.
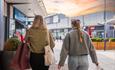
<point>95,18</point>
<point>64,23</point>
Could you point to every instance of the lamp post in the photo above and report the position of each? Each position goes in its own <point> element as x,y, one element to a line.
<point>104,25</point>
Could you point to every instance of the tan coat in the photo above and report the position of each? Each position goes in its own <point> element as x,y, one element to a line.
<point>39,39</point>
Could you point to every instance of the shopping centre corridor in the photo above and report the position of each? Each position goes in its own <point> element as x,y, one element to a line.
<point>96,17</point>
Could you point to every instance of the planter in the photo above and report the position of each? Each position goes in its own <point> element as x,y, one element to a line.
<point>6,58</point>
<point>100,45</point>
<point>95,44</point>
<point>112,45</point>
<point>108,46</point>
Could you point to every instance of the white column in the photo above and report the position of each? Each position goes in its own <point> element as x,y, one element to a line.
<point>1,25</point>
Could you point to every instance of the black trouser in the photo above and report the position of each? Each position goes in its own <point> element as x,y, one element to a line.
<point>37,62</point>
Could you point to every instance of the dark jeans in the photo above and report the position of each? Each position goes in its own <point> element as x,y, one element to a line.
<point>37,62</point>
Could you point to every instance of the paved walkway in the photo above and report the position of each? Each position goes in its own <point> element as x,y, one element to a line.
<point>106,59</point>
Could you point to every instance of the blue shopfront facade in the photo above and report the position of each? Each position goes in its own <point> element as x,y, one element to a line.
<point>20,19</point>
<point>18,15</point>
<point>18,23</point>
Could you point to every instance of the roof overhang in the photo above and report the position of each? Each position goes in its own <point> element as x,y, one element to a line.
<point>111,21</point>
<point>29,7</point>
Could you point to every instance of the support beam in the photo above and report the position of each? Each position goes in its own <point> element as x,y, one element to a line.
<point>1,25</point>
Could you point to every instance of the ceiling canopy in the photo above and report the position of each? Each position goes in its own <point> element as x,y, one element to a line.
<point>78,7</point>
<point>29,7</point>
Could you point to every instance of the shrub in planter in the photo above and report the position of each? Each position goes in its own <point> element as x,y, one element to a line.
<point>11,44</point>
<point>10,47</point>
<point>94,39</point>
<point>112,39</point>
<point>107,39</point>
<point>99,39</point>
<point>99,42</point>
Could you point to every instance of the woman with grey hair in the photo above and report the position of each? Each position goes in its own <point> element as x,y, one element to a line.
<point>77,45</point>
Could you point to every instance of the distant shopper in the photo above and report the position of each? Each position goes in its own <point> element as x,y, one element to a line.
<point>77,44</point>
<point>60,38</point>
<point>37,35</point>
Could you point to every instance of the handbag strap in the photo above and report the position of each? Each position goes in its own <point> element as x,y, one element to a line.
<point>48,38</point>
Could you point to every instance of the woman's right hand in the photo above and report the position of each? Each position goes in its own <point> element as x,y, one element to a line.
<point>97,64</point>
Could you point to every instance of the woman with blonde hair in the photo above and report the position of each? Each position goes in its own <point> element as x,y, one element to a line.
<point>38,37</point>
<point>77,44</point>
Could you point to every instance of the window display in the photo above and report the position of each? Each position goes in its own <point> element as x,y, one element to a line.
<point>12,28</point>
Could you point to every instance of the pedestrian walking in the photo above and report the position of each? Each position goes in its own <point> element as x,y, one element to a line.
<point>77,45</point>
<point>37,36</point>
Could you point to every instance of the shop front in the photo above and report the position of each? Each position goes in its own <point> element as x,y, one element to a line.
<point>20,21</point>
<point>60,33</point>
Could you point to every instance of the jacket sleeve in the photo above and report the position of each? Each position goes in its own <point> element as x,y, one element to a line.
<point>65,50</point>
<point>92,50</point>
<point>52,43</point>
<point>27,36</point>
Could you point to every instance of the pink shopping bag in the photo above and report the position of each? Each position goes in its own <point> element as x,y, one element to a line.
<point>21,59</point>
<point>24,62</point>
